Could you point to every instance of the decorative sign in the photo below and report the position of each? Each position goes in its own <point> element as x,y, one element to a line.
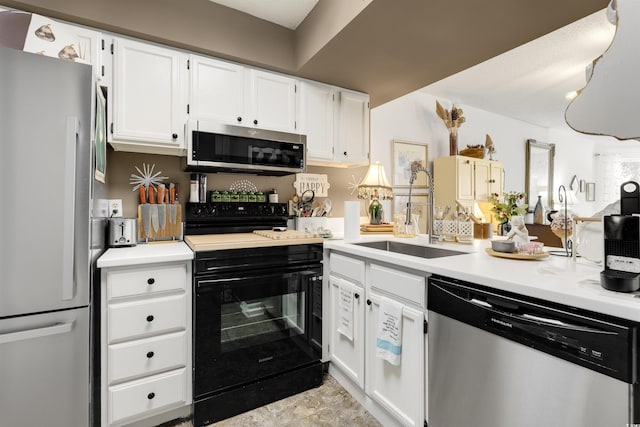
<point>312,181</point>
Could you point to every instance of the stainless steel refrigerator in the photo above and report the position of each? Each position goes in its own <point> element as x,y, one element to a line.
<point>48,248</point>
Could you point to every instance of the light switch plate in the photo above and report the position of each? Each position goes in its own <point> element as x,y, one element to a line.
<point>115,207</point>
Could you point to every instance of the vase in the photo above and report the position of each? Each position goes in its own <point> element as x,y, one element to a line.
<point>375,212</point>
<point>504,228</point>
<point>538,212</point>
<point>453,142</point>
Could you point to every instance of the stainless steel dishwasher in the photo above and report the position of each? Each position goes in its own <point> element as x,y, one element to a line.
<point>498,360</point>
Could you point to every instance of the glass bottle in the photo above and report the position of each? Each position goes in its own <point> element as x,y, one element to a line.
<point>538,212</point>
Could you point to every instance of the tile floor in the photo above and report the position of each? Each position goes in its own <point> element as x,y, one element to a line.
<point>328,405</point>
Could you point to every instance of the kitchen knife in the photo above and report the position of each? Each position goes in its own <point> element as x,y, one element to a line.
<point>153,208</point>
<point>173,210</point>
<point>144,211</point>
<point>162,211</point>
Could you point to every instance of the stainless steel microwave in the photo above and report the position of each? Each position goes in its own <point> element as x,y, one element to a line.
<point>216,147</point>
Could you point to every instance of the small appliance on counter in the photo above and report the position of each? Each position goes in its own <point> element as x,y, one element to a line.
<point>122,232</point>
<point>622,243</point>
<point>621,253</point>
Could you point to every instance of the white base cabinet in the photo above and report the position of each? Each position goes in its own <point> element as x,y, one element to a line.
<point>145,336</point>
<point>399,391</point>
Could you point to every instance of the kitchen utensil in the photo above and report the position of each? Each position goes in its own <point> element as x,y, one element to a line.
<point>145,211</point>
<point>153,208</point>
<point>162,211</point>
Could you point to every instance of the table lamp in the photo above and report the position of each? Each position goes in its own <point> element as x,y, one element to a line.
<point>374,187</point>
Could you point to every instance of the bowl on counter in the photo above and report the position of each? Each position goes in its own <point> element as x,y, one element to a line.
<point>503,245</point>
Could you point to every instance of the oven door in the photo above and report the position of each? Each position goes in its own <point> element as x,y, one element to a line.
<point>252,326</point>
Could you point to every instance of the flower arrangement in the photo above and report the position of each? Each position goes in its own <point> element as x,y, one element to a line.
<point>452,120</point>
<point>507,206</point>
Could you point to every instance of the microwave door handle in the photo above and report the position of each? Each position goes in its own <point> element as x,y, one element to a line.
<point>71,139</point>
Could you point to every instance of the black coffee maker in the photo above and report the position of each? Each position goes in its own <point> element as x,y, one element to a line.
<point>622,243</point>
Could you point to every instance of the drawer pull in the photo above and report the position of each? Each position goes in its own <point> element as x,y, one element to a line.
<point>368,302</point>
<point>151,280</point>
<point>150,354</point>
<point>356,295</point>
<point>151,395</point>
<point>150,318</point>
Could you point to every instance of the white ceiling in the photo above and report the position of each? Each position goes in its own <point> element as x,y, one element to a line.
<point>528,83</point>
<point>287,13</point>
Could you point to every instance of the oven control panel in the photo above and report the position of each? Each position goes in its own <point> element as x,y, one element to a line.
<point>201,211</point>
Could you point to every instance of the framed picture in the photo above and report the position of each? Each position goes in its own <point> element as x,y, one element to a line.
<point>591,192</point>
<point>419,206</point>
<point>404,155</point>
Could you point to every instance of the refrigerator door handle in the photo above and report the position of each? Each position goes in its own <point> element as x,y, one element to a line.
<point>58,328</point>
<point>68,256</point>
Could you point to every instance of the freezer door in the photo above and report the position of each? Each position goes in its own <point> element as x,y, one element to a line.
<point>44,369</point>
<point>45,110</point>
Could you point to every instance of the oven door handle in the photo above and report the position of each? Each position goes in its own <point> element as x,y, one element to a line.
<point>310,275</point>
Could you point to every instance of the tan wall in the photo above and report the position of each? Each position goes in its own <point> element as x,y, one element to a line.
<point>120,166</point>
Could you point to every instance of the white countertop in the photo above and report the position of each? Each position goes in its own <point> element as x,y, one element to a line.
<point>557,279</point>
<point>147,253</point>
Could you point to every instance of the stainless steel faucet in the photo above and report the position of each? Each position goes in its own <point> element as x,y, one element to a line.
<point>414,173</point>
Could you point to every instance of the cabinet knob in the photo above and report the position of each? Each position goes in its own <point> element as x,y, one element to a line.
<point>174,136</point>
<point>151,395</point>
<point>239,119</point>
<point>467,161</point>
<point>255,122</point>
<point>150,318</point>
<point>356,296</point>
<point>368,302</point>
<point>150,354</point>
<point>345,153</point>
<point>151,280</point>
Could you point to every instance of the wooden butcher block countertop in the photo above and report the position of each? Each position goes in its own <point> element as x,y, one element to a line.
<point>210,242</point>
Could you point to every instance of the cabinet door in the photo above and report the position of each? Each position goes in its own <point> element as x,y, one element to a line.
<point>347,354</point>
<point>271,101</point>
<point>482,180</point>
<point>353,130</point>
<point>496,181</point>
<point>148,94</point>
<point>316,120</point>
<point>466,178</point>
<point>399,389</point>
<point>217,91</point>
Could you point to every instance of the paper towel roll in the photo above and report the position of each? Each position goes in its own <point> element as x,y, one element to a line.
<point>351,220</point>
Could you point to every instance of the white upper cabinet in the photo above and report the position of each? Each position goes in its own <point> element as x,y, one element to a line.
<point>352,139</point>
<point>317,119</point>
<point>234,94</point>
<point>271,101</point>
<point>217,91</point>
<point>148,102</point>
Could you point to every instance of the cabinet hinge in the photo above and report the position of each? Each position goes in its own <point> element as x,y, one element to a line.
<point>188,64</point>
<point>187,108</point>
<point>102,44</point>
<point>102,71</point>
<point>112,48</point>
<point>295,125</point>
<point>111,127</point>
<point>295,88</point>
<point>425,423</point>
<point>425,327</point>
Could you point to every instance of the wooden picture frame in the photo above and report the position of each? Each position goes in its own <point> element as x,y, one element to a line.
<point>404,154</point>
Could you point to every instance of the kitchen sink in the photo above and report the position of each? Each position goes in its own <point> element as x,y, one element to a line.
<point>413,250</point>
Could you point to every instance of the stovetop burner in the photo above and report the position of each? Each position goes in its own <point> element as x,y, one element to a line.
<point>236,217</point>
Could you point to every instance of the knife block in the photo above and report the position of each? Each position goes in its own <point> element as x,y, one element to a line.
<point>171,230</point>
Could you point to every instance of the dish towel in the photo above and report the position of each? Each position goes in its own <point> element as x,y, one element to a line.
<point>389,339</point>
<point>345,311</point>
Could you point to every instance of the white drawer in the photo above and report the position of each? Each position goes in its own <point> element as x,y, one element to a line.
<point>128,320</point>
<point>146,356</point>
<point>350,268</point>
<point>147,395</point>
<point>146,280</point>
<point>405,285</point>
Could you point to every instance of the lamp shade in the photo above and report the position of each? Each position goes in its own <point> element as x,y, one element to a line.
<point>375,184</point>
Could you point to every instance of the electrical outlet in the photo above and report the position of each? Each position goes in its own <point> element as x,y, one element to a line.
<point>115,207</point>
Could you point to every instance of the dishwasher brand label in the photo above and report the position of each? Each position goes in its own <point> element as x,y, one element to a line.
<point>501,322</point>
<point>623,263</point>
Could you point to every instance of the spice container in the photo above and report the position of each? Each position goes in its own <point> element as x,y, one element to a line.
<point>225,197</point>
<point>252,197</point>
<point>216,196</point>
<point>260,197</point>
<point>243,196</point>
<point>234,197</point>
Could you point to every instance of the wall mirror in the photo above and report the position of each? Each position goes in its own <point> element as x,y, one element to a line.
<point>539,173</point>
